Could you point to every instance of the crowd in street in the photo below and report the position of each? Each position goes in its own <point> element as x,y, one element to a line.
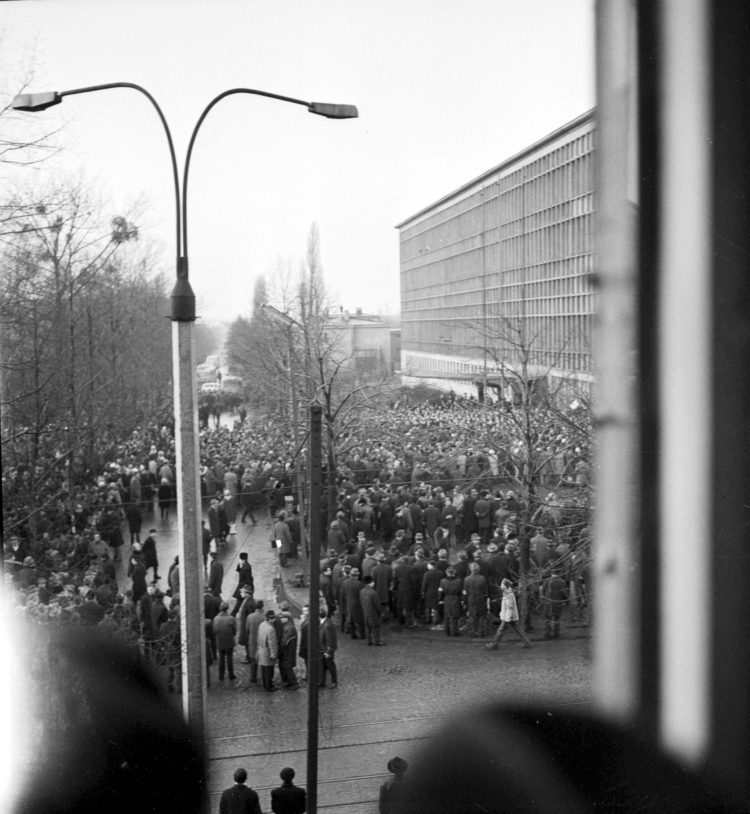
<point>422,534</point>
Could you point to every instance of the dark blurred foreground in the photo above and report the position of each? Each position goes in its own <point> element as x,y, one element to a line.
<point>102,736</point>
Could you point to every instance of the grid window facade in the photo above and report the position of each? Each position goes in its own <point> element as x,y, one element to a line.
<point>501,268</point>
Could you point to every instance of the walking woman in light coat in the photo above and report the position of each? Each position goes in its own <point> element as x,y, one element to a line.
<point>508,617</point>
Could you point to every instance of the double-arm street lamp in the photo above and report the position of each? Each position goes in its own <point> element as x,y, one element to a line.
<point>185,393</point>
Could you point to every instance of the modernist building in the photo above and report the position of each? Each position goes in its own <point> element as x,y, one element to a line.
<point>496,276</point>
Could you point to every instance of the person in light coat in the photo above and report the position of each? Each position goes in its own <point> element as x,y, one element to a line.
<point>282,535</point>
<point>268,650</point>
<point>508,616</point>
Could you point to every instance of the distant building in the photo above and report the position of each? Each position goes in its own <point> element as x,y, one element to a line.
<point>364,338</point>
<point>496,274</point>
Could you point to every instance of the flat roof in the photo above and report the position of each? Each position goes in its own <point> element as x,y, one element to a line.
<point>537,145</point>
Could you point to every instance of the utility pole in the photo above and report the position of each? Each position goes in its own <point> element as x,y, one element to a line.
<point>297,468</point>
<point>313,645</point>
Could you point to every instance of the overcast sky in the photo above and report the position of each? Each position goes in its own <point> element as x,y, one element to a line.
<point>446,89</point>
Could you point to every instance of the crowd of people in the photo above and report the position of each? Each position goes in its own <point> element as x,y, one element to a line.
<point>421,531</point>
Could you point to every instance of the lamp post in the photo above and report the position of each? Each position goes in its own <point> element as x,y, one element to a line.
<point>185,407</point>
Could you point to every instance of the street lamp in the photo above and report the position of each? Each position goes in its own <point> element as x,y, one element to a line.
<point>186,415</point>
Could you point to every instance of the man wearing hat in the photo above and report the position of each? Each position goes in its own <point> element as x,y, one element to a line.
<point>476,599</point>
<point>406,590</point>
<point>326,588</point>
<point>268,650</point>
<point>369,562</point>
<point>382,576</point>
<point>449,593</point>
<point>215,575</point>
<point>288,798</point>
<point>373,612</point>
<point>225,627</point>
<point>354,612</point>
<point>288,651</point>
<point>390,791</point>
<point>328,647</point>
<point>247,608</point>
<point>245,571</point>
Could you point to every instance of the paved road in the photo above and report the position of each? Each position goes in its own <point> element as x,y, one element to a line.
<point>389,699</point>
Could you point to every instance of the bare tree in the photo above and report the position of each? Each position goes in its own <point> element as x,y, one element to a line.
<point>85,346</point>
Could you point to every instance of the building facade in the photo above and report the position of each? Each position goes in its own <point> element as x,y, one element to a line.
<point>365,339</point>
<point>496,276</point>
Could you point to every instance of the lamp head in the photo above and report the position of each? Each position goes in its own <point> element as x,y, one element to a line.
<point>333,111</point>
<point>34,102</point>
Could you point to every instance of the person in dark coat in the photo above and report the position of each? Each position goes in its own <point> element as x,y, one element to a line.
<point>476,594</point>
<point>148,550</point>
<point>248,497</point>
<point>147,629</point>
<point>165,498</point>
<point>139,579</point>
<point>449,592</point>
<point>328,647</point>
<point>484,517</point>
<point>107,568</point>
<point>206,535</point>
<point>326,588</point>
<point>430,587</point>
<point>214,521</point>
<point>304,637</point>
<point>245,571</point>
<point>390,791</point>
<point>382,577</point>
<point>354,613</point>
<point>555,595</point>
<point>336,539</point>
<point>246,610</point>
<point>240,799</point>
<point>173,578</point>
<point>225,628</point>
<point>373,612</point>
<point>431,518</point>
<point>135,521</point>
<point>215,575</point>
<point>295,527</point>
<point>109,526</point>
<point>405,590</point>
<point>288,652</point>
<point>211,607</point>
<point>288,798</point>
<point>159,614</point>
<point>470,524</point>
<point>385,520</point>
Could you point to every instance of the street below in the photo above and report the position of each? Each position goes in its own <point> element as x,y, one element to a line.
<point>389,700</point>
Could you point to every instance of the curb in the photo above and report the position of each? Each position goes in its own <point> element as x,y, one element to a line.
<point>283,596</point>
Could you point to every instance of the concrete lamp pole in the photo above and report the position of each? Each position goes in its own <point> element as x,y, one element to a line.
<point>185,396</point>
